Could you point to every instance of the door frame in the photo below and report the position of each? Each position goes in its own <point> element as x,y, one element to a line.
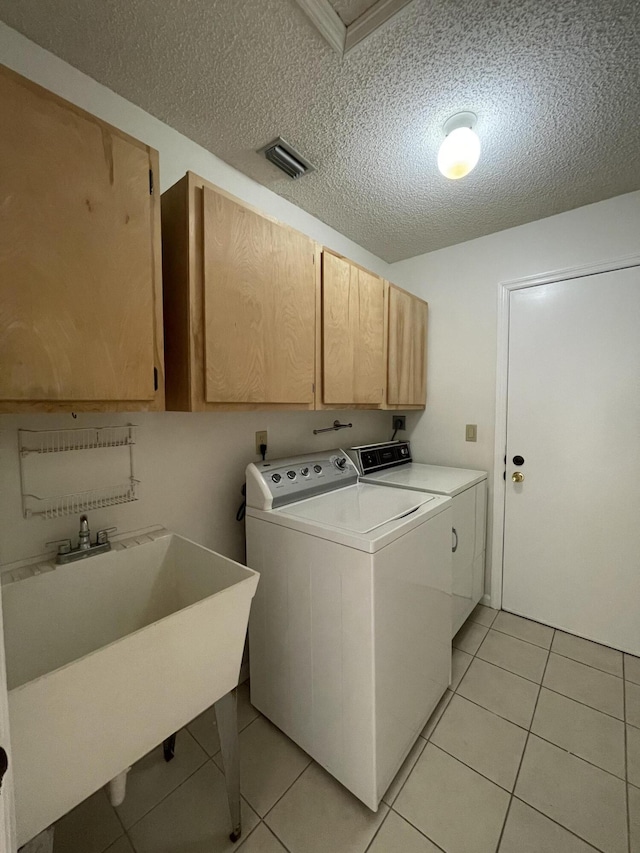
<point>505,288</point>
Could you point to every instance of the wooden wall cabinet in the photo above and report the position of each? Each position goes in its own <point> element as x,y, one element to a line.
<point>372,341</point>
<point>240,292</point>
<point>407,317</point>
<point>257,316</point>
<point>80,265</point>
<point>352,359</point>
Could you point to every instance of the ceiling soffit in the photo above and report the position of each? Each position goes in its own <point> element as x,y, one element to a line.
<point>337,24</point>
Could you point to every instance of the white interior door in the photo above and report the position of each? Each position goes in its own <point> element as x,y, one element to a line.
<point>7,814</point>
<point>572,526</point>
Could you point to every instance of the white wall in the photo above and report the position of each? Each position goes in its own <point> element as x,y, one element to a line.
<point>191,466</point>
<point>461,284</point>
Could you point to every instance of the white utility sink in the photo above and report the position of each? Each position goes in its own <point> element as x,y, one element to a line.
<point>109,656</point>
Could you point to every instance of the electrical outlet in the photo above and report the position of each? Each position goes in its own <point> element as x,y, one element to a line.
<point>261,438</point>
<point>398,422</point>
<point>471,432</point>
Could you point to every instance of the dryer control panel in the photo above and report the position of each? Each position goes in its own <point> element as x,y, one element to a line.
<point>369,458</point>
<point>283,481</point>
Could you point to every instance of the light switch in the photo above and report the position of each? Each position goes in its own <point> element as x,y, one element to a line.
<point>471,433</point>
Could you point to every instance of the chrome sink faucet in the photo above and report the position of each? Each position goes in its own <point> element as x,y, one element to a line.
<point>67,554</point>
<point>84,535</point>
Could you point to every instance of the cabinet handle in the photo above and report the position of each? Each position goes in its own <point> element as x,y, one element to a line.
<point>455,534</point>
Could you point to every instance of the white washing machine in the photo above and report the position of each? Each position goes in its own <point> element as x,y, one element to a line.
<point>349,633</point>
<point>390,464</point>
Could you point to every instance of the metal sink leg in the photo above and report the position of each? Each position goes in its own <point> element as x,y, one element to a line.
<point>169,747</point>
<point>227,717</point>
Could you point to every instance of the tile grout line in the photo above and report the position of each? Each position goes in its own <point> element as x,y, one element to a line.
<point>186,779</point>
<point>590,665</point>
<point>522,728</point>
<point>172,791</point>
<point>488,710</point>
<point>529,732</point>
<point>538,683</point>
<point>382,823</point>
<point>428,740</point>
<point>240,730</point>
<point>522,639</point>
<point>268,828</point>
<point>417,829</point>
<point>541,684</point>
<point>536,735</point>
<point>289,787</point>
<point>245,838</point>
<point>545,648</point>
<point>126,831</point>
<point>526,743</point>
<point>584,704</point>
<point>554,821</point>
<point>579,757</point>
<point>526,678</point>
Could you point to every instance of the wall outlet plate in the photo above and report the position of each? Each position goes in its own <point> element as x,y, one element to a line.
<point>471,432</point>
<point>398,422</point>
<point>261,438</point>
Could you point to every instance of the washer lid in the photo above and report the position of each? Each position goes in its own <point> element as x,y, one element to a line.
<point>357,509</point>
<point>430,478</point>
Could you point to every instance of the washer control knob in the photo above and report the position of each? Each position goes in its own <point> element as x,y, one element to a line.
<point>291,475</point>
<point>276,478</point>
<point>340,463</point>
<point>317,469</point>
<point>304,472</point>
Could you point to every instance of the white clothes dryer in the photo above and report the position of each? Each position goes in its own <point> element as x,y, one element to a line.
<point>350,646</point>
<point>391,464</point>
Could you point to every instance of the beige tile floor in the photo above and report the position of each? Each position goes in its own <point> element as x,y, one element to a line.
<point>535,749</point>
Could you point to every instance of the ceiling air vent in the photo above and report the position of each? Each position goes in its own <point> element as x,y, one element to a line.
<point>282,155</point>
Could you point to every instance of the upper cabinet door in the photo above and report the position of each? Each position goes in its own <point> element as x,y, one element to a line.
<point>352,334</point>
<point>80,312</point>
<point>259,307</point>
<point>407,360</point>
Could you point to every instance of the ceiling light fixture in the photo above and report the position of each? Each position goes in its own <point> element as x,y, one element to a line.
<point>460,150</point>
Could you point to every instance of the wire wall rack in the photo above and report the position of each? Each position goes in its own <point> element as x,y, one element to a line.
<point>32,443</point>
<point>77,502</point>
<point>58,440</point>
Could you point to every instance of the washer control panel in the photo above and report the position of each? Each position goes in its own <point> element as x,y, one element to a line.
<point>275,483</point>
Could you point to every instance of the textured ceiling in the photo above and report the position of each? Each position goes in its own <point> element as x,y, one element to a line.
<point>555,84</point>
<point>351,10</point>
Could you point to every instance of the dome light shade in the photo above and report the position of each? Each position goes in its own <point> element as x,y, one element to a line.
<point>460,150</point>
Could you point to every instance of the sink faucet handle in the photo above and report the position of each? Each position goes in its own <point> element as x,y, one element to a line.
<point>64,545</point>
<point>103,535</point>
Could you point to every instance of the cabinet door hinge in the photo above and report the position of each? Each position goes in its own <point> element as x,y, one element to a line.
<point>155,378</point>
<point>313,388</point>
<point>150,181</point>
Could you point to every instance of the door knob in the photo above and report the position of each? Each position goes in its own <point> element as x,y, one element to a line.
<point>517,476</point>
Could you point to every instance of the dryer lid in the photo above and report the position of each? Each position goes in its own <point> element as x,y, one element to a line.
<point>358,509</point>
<point>431,478</point>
